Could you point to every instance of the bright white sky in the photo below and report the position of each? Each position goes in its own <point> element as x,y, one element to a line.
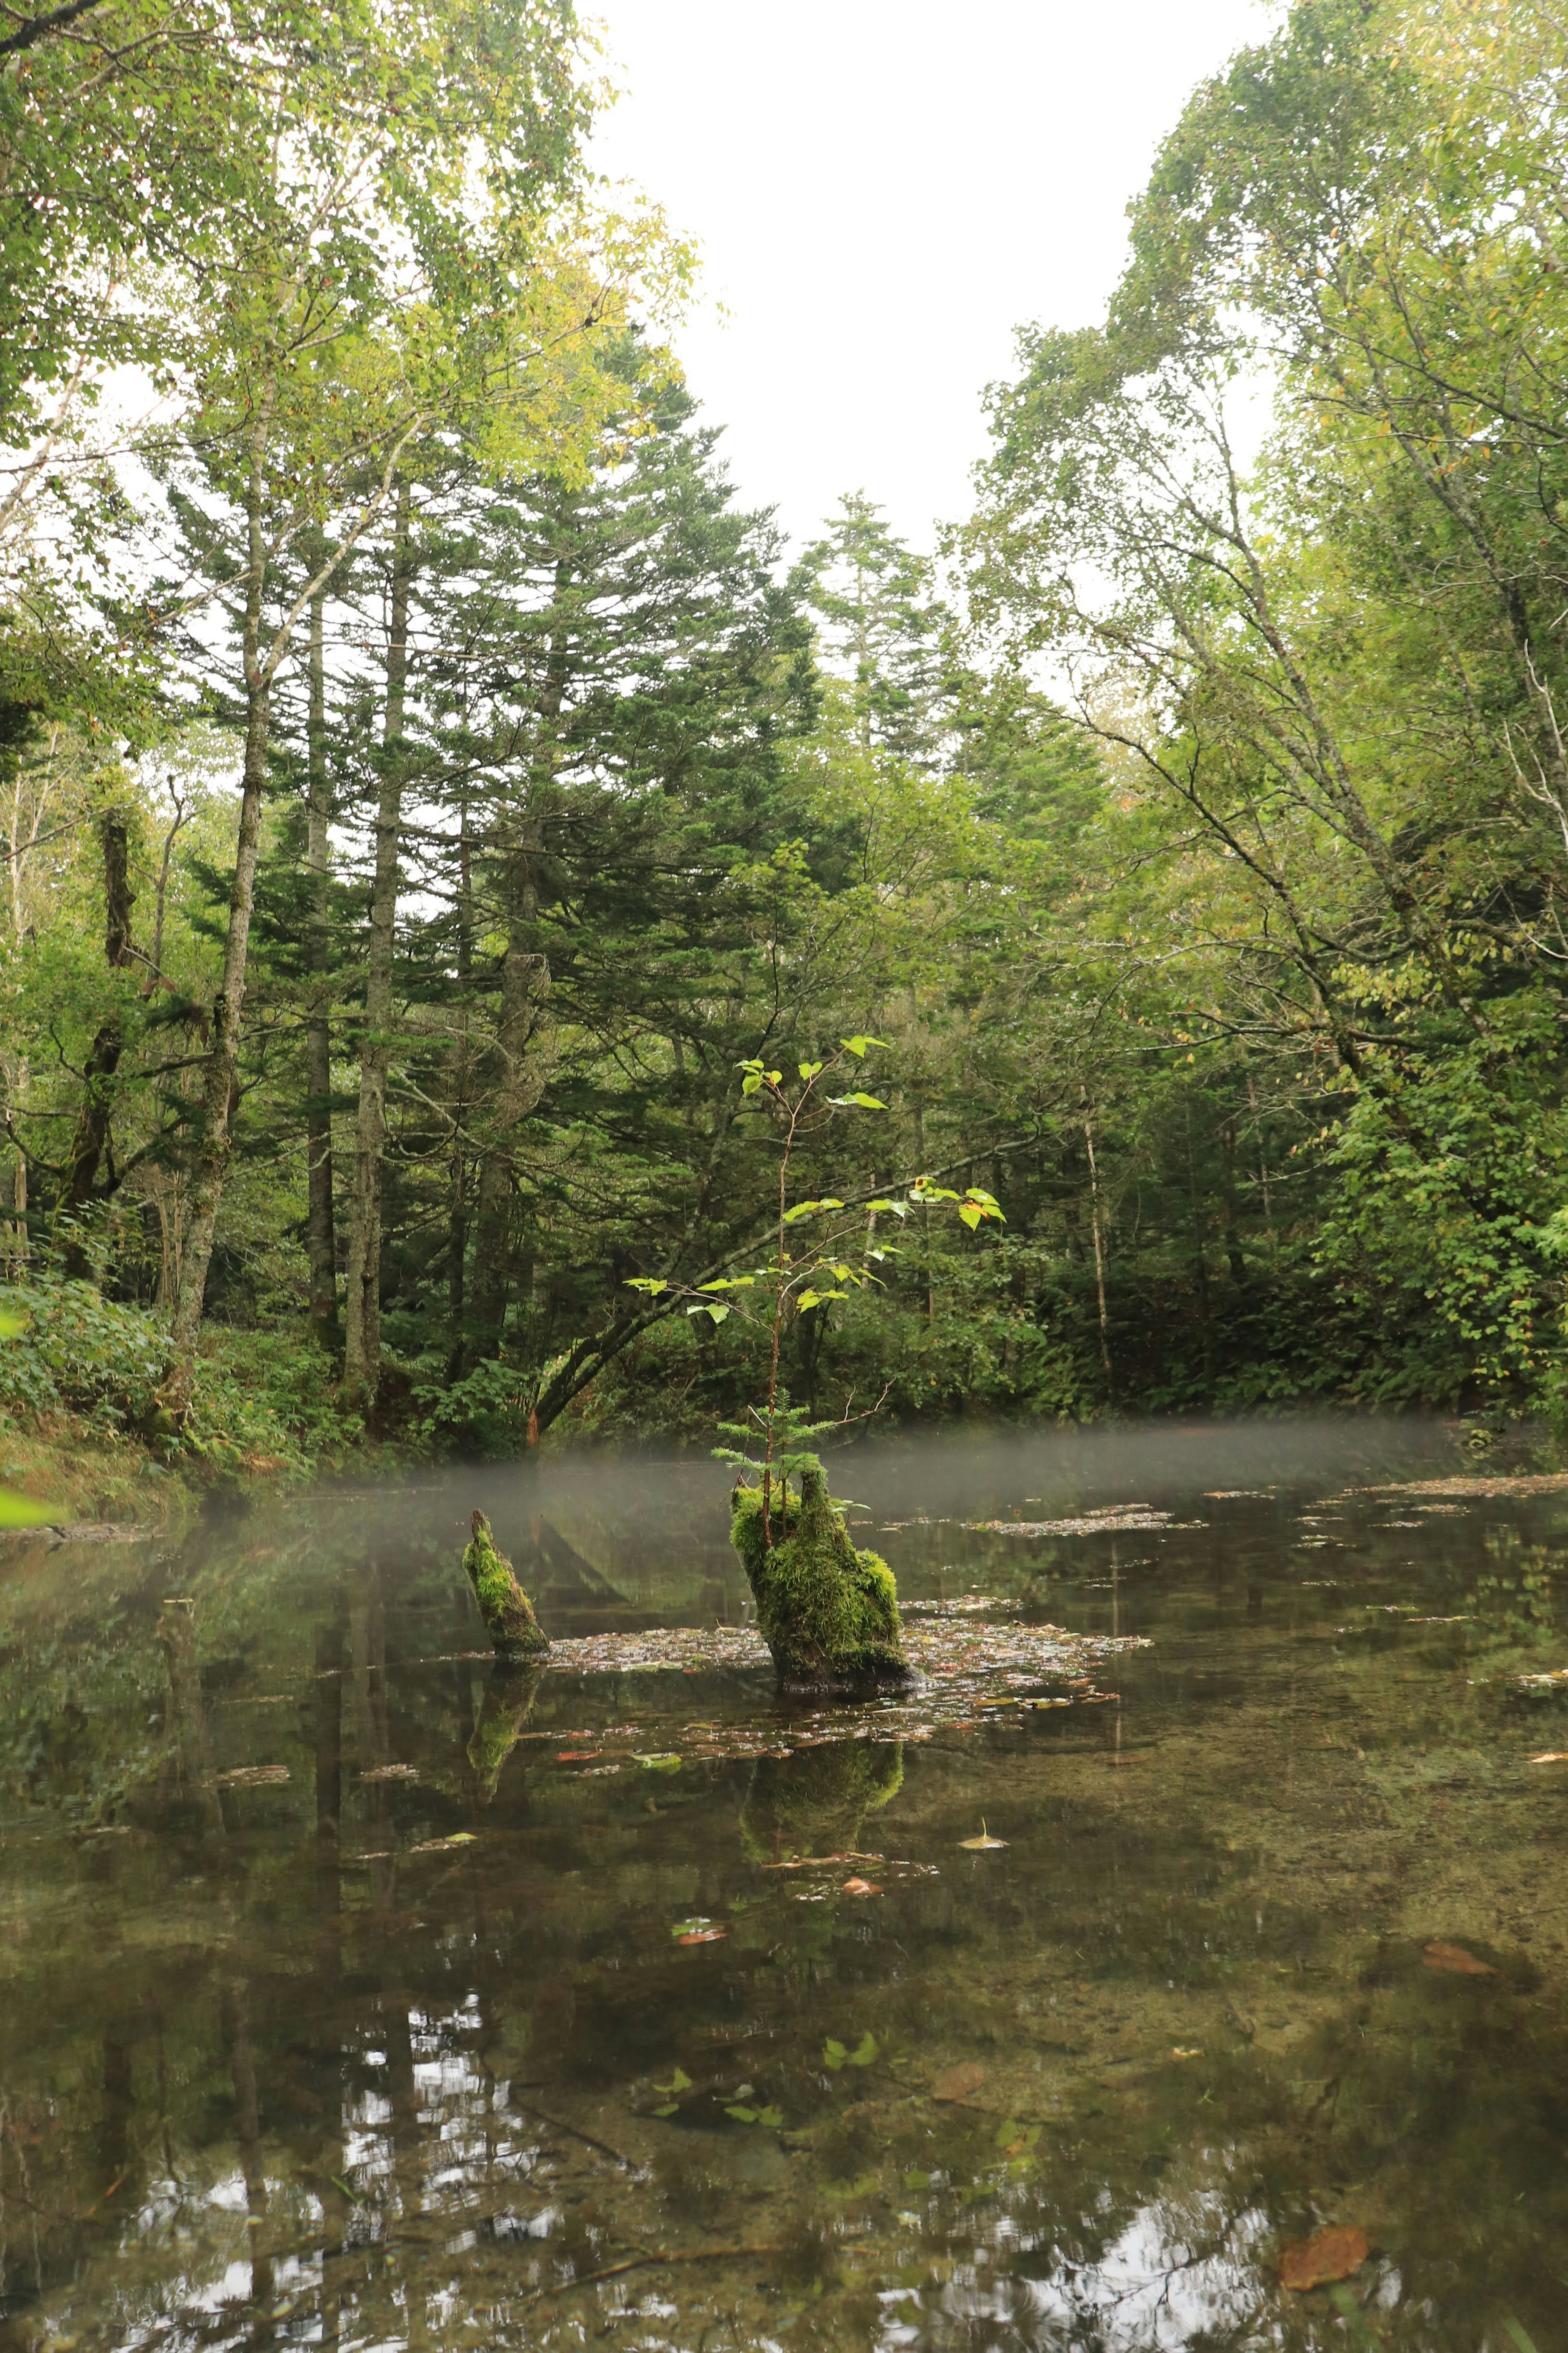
<point>883,191</point>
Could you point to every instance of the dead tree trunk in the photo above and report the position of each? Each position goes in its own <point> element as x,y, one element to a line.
<point>90,1140</point>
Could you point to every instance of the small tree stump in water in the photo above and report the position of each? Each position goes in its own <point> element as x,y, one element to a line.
<point>828,1613</point>
<point>514,1631</point>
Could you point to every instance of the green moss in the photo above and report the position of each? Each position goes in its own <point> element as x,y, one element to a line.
<point>816,1801</point>
<point>828,1613</point>
<point>514,1631</point>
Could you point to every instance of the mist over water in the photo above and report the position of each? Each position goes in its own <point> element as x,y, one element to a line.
<point>938,1473</point>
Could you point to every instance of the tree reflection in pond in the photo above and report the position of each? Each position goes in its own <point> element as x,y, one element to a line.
<point>406,2049</point>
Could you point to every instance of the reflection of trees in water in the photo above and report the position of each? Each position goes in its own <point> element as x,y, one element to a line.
<point>816,1801</point>
<point>223,2009</point>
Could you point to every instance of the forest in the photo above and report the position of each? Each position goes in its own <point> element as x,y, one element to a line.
<point>426,788</point>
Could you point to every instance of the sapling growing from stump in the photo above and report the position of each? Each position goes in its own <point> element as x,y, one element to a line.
<point>828,1613</point>
<point>515,1632</point>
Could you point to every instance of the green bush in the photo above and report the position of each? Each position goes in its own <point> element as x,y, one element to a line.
<point>80,1352</point>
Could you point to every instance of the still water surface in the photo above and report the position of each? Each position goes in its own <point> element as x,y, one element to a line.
<point>354,1998</point>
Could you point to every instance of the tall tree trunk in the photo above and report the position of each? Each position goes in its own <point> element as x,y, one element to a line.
<point>1096,1226</point>
<point>522,1024</point>
<point>215,1143</point>
<point>361,1336</point>
<point>458,1211</point>
<point>1200,1258</point>
<point>16,1233</point>
<point>1235,1255</point>
<point>90,1139</point>
<point>321,1240</point>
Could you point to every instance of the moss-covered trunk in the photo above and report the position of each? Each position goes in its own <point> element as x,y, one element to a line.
<point>828,1613</point>
<point>514,1631</point>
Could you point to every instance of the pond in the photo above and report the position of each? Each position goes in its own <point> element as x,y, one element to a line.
<point>354,1996</point>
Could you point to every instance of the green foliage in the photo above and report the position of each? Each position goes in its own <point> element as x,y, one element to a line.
<point>1199,1034</point>
<point>77,1350</point>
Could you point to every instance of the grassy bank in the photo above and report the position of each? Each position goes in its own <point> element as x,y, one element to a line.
<point>77,1473</point>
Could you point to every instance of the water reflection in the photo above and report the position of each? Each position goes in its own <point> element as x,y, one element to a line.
<point>356,1995</point>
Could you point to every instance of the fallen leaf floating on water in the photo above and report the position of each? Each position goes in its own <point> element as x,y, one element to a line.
<point>1091,1525</point>
<point>1188,2051</point>
<point>1551,1756</point>
<point>984,1843</point>
<point>664,1763</point>
<point>1440,1956</point>
<point>1549,1483</point>
<point>958,2083</point>
<point>697,1931</point>
<point>835,2055</point>
<point>860,1887</point>
<point>1331,2254</point>
<point>442,1845</point>
<point>390,1773</point>
<point>576,1755</point>
<point>252,1777</point>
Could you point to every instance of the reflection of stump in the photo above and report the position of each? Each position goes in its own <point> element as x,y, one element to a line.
<point>814,1801</point>
<point>514,1631</point>
<point>507,1706</point>
<point>828,1614</point>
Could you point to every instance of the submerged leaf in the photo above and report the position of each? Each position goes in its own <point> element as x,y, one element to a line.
<point>1438,1955</point>
<point>1332,2255</point>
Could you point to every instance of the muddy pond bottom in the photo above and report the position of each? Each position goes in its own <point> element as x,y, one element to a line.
<point>1182,1965</point>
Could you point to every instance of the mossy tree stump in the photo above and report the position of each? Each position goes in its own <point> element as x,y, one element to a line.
<point>515,1632</point>
<point>828,1613</point>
